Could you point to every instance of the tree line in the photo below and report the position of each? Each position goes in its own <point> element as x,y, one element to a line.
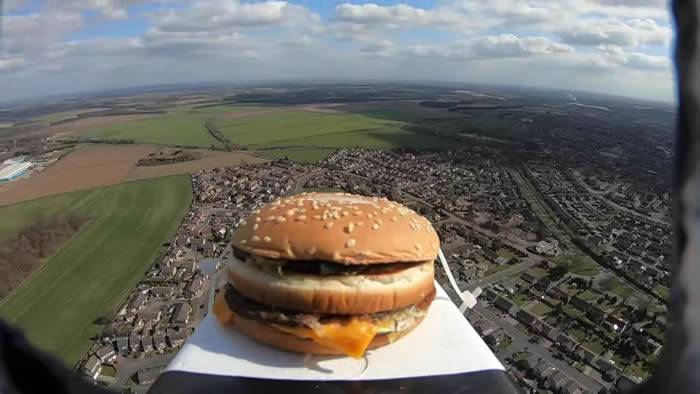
<point>22,255</point>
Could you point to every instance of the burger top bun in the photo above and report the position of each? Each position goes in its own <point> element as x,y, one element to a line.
<point>338,227</point>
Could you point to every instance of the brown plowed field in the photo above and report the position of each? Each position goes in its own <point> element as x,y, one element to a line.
<point>209,159</point>
<point>91,166</point>
<point>87,167</point>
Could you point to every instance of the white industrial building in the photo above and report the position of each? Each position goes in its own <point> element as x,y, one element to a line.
<point>14,170</point>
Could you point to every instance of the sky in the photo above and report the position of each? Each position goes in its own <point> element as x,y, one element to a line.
<point>617,47</point>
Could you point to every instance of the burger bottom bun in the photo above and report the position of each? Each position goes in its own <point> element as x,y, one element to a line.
<point>270,336</point>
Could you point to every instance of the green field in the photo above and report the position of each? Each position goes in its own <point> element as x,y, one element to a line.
<point>55,117</point>
<point>183,128</point>
<point>540,309</point>
<point>309,129</point>
<point>90,276</point>
<point>621,289</point>
<point>387,138</point>
<point>395,114</point>
<point>662,291</point>
<point>300,155</point>
<point>281,127</point>
<point>495,269</point>
<point>595,346</point>
<point>219,109</point>
<point>18,216</point>
<point>506,253</point>
<point>108,370</point>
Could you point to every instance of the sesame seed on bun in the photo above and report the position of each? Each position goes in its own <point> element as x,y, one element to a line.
<point>338,227</point>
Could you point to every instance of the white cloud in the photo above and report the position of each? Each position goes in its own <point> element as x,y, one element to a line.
<point>615,55</point>
<point>381,47</point>
<point>11,64</point>
<point>35,32</point>
<point>634,32</point>
<point>397,16</point>
<point>509,45</point>
<point>111,9</point>
<point>206,16</point>
<point>563,43</point>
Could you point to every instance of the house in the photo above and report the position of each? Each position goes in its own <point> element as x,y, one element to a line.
<point>556,380</point>
<point>528,277</point>
<point>146,317</point>
<point>526,318</point>
<point>559,294</point>
<point>543,369</point>
<point>496,337</point>
<point>579,304</point>
<point>533,360</point>
<point>122,345</point>
<point>163,292</point>
<point>595,315</point>
<point>549,331</point>
<point>181,315</point>
<point>513,311</point>
<point>543,284</point>
<point>92,367</point>
<point>484,327</point>
<point>565,343</point>
<point>585,355</point>
<point>572,387</point>
<point>106,353</point>
<point>176,338</point>
<point>490,295</point>
<point>608,368</point>
<point>503,304</point>
<point>615,323</point>
<point>159,342</point>
<point>137,302</point>
<point>134,343</point>
<point>147,344</point>
<point>194,287</point>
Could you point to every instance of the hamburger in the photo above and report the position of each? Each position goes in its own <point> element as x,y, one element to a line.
<point>329,273</point>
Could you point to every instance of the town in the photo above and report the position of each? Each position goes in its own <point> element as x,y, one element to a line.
<point>572,272</point>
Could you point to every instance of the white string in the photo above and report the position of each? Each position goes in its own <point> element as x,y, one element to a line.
<point>468,299</point>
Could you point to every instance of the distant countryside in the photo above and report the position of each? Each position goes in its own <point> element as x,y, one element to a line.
<point>117,211</point>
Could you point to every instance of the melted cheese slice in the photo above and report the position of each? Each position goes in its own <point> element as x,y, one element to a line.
<point>221,310</point>
<point>351,338</point>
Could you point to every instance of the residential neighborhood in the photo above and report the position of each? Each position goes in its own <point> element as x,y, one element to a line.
<point>563,302</point>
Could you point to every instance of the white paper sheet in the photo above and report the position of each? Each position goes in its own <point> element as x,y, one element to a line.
<point>444,343</point>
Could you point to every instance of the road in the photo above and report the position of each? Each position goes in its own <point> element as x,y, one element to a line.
<point>510,271</point>
<point>301,181</point>
<point>611,204</point>
<point>519,340</point>
<point>565,239</point>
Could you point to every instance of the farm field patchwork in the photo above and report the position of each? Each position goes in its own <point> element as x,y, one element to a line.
<point>324,130</point>
<point>209,159</point>
<point>92,273</point>
<point>55,117</point>
<point>185,129</point>
<point>300,155</point>
<point>280,128</point>
<point>86,167</point>
<point>381,138</point>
